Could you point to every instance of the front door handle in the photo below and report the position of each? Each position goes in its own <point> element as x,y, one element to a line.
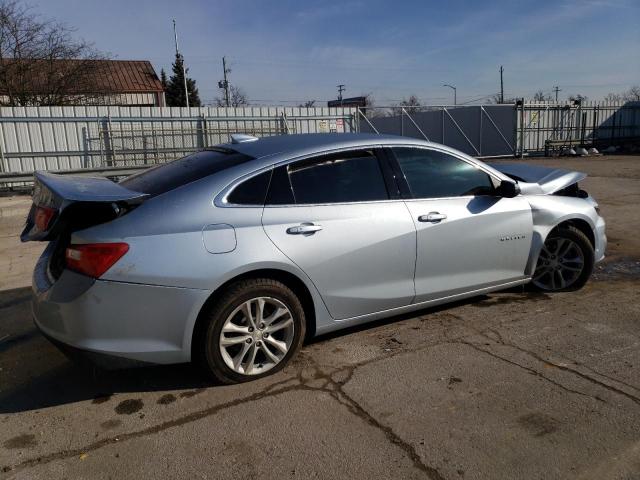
<point>432,217</point>
<point>304,229</point>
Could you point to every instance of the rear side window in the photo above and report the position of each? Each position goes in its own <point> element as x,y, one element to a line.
<point>252,191</point>
<point>434,174</point>
<point>339,178</point>
<point>182,171</point>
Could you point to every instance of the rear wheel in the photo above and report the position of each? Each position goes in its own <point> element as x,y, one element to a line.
<point>565,262</point>
<point>253,330</point>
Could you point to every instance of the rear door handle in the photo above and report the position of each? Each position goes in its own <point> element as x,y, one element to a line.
<point>432,217</point>
<point>304,229</point>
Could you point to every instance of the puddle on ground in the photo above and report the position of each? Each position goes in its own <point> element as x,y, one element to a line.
<point>166,399</point>
<point>130,406</point>
<point>506,299</point>
<point>21,441</point>
<point>539,424</point>
<point>619,269</point>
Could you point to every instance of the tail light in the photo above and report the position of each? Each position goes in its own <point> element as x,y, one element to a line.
<point>94,259</point>
<point>43,217</point>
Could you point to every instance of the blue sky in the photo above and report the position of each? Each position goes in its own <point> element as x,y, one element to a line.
<point>289,51</point>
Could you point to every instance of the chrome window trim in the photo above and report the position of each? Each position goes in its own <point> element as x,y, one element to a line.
<point>221,199</point>
<point>307,205</point>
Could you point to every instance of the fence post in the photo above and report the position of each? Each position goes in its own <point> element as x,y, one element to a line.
<point>284,123</point>
<point>480,136</point>
<point>522,128</point>
<point>2,168</point>
<point>85,147</point>
<point>108,141</point>
<point>205,139</point>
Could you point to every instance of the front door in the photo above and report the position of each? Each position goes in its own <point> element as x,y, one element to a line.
<point>468,237</point>
<point>333,217</point>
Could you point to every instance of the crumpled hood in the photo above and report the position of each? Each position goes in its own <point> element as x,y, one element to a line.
<point>550,179</point>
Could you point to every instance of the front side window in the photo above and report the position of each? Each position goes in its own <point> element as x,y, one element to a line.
<point>338,178</point>
<point>434,174</point>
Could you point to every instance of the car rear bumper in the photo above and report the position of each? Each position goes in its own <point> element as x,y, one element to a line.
<point>114,321</point>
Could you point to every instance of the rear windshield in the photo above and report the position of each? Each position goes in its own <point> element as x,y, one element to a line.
<point>166,177</point>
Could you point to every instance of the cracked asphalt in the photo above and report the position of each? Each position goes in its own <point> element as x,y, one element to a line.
<point>510,385</point>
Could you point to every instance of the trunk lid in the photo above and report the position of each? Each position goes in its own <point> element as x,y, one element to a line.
<point>550,180</point>
<point>63,202</point>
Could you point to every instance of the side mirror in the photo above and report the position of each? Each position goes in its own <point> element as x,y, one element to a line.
<point>508,189</point>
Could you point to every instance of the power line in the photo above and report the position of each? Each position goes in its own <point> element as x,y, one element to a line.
<point>479,98</point>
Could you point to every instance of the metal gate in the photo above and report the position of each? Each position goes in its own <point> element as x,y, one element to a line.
<point>545,127</point>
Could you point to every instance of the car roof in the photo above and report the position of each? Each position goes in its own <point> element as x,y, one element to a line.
<point>309,143</point>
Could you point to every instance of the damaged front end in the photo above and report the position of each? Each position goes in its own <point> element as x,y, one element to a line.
<point>538,180</point>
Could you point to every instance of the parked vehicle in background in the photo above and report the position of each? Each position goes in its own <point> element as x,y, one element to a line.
<point>233,255</point>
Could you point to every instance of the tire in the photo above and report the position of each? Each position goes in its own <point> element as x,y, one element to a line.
<point>227,334</point>
<point>565,250</point>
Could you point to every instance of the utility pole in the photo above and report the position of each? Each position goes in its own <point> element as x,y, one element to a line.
<point>340,90</point>
<point>184,73</point>
<point>225,83</point>
<point>556,89</point>
<point>501,85</point>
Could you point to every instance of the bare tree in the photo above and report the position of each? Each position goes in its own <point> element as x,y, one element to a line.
<point>496,99</point>
<point>308,104</point>
<point>369,108</point>
<point>410,105</point>
<point>578,97</point>
<point>237,98</point>
<point>612,97</point>
<point>632,95</point>
<point>540,96</point>
<point>42,64</point>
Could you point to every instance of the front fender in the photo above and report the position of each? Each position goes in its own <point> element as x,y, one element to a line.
<point>551,211</point>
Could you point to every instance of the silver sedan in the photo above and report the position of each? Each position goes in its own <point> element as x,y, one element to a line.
<point>232,256</point>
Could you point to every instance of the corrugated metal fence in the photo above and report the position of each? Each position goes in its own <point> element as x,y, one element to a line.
<point>95,138</point>
<point>65,138</point>
<point>479,130</point>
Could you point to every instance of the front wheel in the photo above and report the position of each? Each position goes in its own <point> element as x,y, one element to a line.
<point>253,330</point>
<point>565,262</point>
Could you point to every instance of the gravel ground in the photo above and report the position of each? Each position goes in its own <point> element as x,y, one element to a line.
<point>507,385</point>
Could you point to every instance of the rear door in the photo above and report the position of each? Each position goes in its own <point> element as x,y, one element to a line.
<point>468,237</point>
<point>342,222</point>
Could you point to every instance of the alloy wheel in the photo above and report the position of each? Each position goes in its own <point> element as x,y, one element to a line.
<point>560,264</point>
<point>256,336</point>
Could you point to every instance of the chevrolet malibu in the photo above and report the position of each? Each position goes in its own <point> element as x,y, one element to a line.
<point>233,255</point>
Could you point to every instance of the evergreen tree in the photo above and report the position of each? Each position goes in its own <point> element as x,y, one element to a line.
<point>163,79</point>
<point>174,92</point>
